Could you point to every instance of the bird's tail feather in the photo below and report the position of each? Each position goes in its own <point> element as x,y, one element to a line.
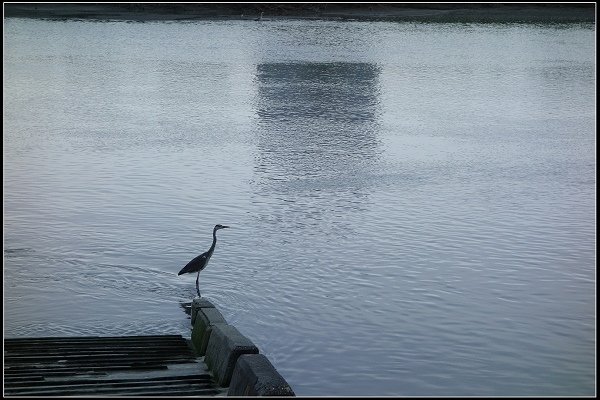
<point>183,270</point>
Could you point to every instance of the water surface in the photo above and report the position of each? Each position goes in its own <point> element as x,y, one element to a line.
<point>412,205</point>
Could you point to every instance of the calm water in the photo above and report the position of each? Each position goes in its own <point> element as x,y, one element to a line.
<point>412,205</point>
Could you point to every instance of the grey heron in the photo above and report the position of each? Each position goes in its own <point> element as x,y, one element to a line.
<point>200,262</point>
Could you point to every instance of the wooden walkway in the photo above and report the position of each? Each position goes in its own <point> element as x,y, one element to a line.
<point>107,366</point>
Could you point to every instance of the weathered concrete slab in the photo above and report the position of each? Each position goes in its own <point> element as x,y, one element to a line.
<point>205,319</point>
<point>197,304</point>
<point>225,345</point>
<point>254,375</point>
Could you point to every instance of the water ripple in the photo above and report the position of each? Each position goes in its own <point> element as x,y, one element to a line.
<point>407,219</point>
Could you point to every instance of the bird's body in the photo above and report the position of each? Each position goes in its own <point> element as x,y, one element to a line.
<point>197,264</point>
<point>200,262</point>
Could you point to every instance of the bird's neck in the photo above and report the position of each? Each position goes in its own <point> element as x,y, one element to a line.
<point>214,243</point>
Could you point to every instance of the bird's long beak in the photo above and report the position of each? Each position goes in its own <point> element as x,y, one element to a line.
<point>225,226</point>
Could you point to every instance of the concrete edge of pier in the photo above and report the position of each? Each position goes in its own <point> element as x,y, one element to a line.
<point>231,357</point>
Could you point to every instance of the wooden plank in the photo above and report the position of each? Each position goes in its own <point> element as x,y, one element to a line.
<point>121,392</point>
<point>84,371</point>
<point>93,358</point>
<point>132,365</point>
<point>205,378</point>
<point>63,339</point>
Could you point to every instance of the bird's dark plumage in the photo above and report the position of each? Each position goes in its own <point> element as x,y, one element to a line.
<point>197,264</point>
<point>200,262</point>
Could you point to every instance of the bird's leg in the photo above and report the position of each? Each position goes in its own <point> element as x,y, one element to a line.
<point>197,287</point>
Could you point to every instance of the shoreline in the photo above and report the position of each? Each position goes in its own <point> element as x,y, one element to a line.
<point>410,12</point>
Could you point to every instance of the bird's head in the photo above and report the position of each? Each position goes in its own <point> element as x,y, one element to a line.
<point>219,226</point>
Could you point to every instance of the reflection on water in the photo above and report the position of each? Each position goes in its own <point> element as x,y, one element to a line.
<point>317,139</point>
<point>411,204</point>
<point>187,307</point>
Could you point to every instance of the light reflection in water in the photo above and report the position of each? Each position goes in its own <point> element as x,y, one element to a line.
<point>317,140</point>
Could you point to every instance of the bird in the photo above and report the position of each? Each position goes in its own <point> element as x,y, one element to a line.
<point>260,18</point>
<point>200,262</point>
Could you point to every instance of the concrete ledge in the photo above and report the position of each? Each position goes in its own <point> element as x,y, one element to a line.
<point>225,345</point>
<point>231,357</point>
<point>254,375</point>
<point>197,304</point>
<point>205,319</point>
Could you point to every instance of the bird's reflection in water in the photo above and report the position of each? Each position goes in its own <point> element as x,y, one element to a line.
<point>187,308</point>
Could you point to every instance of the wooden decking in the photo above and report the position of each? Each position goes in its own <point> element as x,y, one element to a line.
<point>105,366</point>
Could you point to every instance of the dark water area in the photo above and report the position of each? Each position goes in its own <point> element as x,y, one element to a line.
<point>406,12</point>
<point>412,206</point>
